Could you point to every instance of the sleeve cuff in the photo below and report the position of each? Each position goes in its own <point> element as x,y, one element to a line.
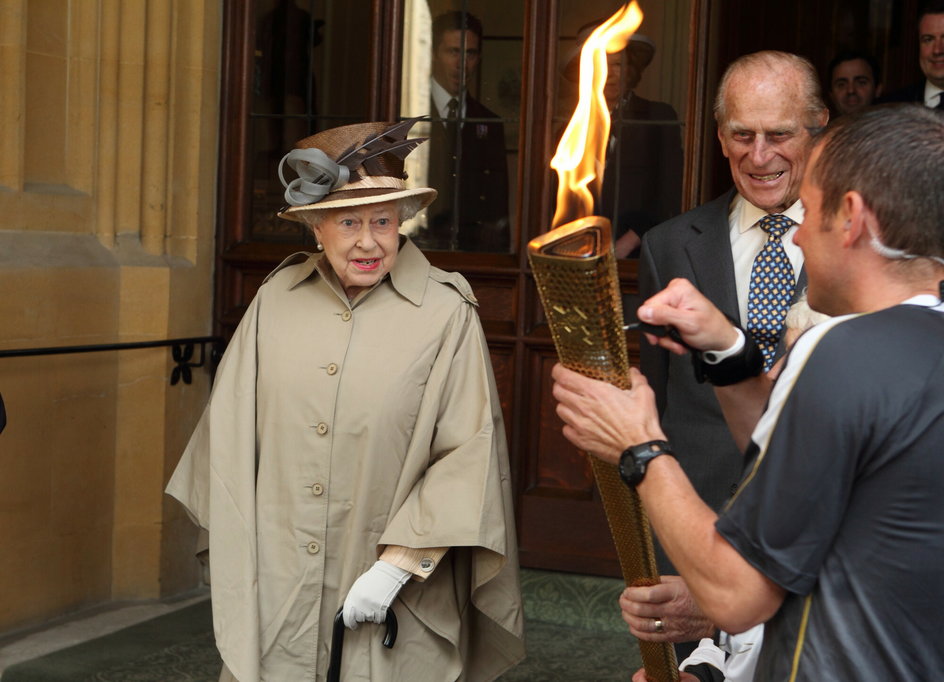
<point>713,357</point>
<point>420,562</point>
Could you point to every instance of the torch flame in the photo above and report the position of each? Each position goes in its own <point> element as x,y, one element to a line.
<point>581,153</point>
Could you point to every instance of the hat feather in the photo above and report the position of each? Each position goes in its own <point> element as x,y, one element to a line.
<point>371,151</point>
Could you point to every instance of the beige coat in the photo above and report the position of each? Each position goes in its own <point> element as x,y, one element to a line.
<point>335,429</point>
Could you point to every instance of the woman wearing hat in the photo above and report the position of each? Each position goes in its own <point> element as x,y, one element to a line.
<point>353,455</point>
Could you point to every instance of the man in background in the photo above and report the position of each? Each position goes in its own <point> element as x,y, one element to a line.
<point>853,80</point>
<point>929,91</point>
<point>467,161</point>
<point>642,180</point>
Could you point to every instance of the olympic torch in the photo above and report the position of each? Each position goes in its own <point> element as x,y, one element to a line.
<point>575,270</point>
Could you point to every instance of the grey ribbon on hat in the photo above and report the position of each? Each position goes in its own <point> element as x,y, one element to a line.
<point>318,174</point>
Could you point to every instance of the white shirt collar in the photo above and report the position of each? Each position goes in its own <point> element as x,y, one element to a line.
<point>926,300</point>
<point>931,94</point>
<point>745,215</point>
<point>441,99</point>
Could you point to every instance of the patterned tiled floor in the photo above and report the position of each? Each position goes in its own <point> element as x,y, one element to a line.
<point>572,624</point>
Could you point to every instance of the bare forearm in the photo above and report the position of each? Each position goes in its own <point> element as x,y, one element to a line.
<point>742,405</point>
<point>732,593</point>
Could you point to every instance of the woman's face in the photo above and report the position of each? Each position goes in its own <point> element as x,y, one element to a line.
<point>360,243</point>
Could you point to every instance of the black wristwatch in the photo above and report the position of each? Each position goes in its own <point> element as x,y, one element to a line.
<point>635,459</point>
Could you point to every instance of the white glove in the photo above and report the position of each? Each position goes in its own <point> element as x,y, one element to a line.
<point>371,595</point>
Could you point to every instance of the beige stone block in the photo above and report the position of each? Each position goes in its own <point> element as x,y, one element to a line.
<point>55,515</point>
<point>46,94</point>
<point>139,455</point>
<point>47,26</point>
<point>143,302</point>
<point>136,561</point>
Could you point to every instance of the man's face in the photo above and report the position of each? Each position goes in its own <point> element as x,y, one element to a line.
<point>931,48</point>
<point>765,138</point>
<point>853,86</point>
<point>819,237</point>
<point>447,59</point>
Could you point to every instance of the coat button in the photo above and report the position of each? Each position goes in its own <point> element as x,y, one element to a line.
<point>313,548</point>
<point>332,369</point>
<point>322,428</point>
<point>427,565</point>
<point>317,490</point>
<point>346,315</point>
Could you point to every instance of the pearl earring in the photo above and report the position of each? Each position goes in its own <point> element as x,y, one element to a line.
<point>319,247</point>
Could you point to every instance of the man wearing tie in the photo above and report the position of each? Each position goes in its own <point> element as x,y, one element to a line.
<point>467,162</point>
<point>737,250</point>
<point>930,58</point>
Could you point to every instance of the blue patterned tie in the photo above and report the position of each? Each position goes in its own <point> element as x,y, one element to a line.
<point>772,286</point>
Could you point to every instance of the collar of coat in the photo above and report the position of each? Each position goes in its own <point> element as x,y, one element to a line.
<point>409,277</point>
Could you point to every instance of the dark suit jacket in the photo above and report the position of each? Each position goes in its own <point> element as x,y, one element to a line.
<point>697,246</point>
<point>913,93</point>
<point>642,182</point>
<point>470,172</point>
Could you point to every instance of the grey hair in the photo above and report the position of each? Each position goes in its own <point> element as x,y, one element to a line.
<point>779,64</point>
<point>407,207</point>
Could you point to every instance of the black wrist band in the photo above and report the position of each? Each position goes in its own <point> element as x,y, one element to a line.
<point>747,363</point>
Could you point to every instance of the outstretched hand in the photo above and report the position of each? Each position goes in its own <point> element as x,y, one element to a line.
<point>700,324</point>
<point>603,419</point>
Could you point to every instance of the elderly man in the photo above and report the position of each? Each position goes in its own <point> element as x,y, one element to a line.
<point>834,539</point>
<point>767,107</point>
<point>853,80</point>
<point>930,90</point>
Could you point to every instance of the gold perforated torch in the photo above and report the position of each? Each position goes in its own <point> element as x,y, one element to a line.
<point>575,270</point>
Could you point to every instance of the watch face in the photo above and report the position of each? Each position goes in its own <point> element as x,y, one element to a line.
<point>630,470</point>
<point>633,461</point>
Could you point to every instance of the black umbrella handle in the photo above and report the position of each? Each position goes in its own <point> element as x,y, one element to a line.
<point>337,641</point>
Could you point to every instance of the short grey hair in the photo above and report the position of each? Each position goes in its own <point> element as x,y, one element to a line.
<point>407,207</point>
<point>775,62</point>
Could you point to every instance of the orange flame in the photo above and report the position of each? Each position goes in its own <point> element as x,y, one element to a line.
<point>581,153</point>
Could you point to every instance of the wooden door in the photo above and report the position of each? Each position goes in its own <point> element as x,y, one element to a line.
<point>293,67</point>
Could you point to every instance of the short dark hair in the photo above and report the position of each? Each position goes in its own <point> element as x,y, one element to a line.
<point>455,21</point>
<point>851,55</point>
<point>892,155</point>
<point>930,7</point>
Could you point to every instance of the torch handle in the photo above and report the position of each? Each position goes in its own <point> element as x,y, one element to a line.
<point>575,271</point>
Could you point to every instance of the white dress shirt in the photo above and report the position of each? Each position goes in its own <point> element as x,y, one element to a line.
<point>932,94</point>
<point>747,239</point>
<point>441,100</point>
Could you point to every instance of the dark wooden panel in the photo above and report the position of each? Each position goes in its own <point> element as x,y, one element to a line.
<point>562,524</point>
<point>497,296</point>
<point>503,365</point>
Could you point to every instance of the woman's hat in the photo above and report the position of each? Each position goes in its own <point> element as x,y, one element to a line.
<point>351,165</point>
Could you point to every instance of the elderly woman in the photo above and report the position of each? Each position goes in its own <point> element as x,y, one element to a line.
<point>353,455</point>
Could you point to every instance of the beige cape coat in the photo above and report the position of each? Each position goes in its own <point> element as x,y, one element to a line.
<point>333,430</point>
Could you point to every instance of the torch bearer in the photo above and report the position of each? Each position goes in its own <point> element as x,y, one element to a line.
<point>575,270</point>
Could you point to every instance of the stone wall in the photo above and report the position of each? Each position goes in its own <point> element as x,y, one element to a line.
<point>108,126</point>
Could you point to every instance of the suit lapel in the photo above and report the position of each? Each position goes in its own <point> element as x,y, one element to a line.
<point>709,253</point>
